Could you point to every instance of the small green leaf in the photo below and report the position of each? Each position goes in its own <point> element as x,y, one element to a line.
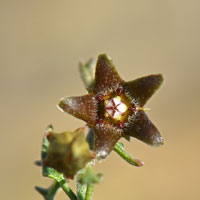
<point>38,163</point>
<point>90,138</point>
<point>49,193</point>
<point>42,191</point>
<point>87,71</point>
<point>119,149</point>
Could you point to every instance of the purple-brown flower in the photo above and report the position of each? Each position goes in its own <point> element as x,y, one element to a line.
<point>114,108</point>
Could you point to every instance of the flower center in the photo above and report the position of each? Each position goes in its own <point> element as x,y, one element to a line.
<point>115,108</point>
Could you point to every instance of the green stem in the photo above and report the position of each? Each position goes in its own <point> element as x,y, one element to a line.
<point>81,190</point>
<point>67,190</point>
<point>81,187</point>
<point>89,192</point>
<point>62,181</point>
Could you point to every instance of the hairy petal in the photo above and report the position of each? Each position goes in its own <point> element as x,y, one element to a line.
<point>106,77</point>
<point>83,107</point>
<point>105,138</point>
<point>141,89</point>
<point>143,129</point>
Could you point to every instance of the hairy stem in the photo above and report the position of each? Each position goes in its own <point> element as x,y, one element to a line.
<point>81,187</point>
<point>89,192</point>
<point>67,190</point>
<point>81,190</point>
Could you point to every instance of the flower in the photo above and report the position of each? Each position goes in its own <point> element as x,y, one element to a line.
<point>68,152</point>
<point>114,108</point>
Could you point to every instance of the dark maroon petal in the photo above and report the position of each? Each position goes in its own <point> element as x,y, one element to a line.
<point>140,127</point>
<point>106,77</point>
<point>105,138</point>
<point>141,89</point>
<point>83,107</point>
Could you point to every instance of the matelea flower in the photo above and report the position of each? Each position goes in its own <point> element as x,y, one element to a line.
<point>68,152</point>
<point>115,108</point>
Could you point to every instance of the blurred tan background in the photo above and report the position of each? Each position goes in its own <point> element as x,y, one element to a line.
<point>41,43</point>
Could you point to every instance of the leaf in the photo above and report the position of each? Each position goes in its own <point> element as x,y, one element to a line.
<point>50,192</point>
<point>119,149</point>
<point>87,72</point>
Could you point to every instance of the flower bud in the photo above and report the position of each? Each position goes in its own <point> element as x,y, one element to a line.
<point>68,152</point>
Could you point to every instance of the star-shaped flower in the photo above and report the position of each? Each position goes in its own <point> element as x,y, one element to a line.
<point>114,108</point>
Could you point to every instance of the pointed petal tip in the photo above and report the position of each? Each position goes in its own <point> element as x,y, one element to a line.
<point>157,140</point>
<point>104,56</point>
<point>143,88</point>
<point>159,78</point>
<point>105,138</point>
<point>155,80</point>
<point>82,107</point>
<point>101,155</point>
<point>144,130</point>
<point>66,104</point>
<point>61,104</point>
<point>106,76</point>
